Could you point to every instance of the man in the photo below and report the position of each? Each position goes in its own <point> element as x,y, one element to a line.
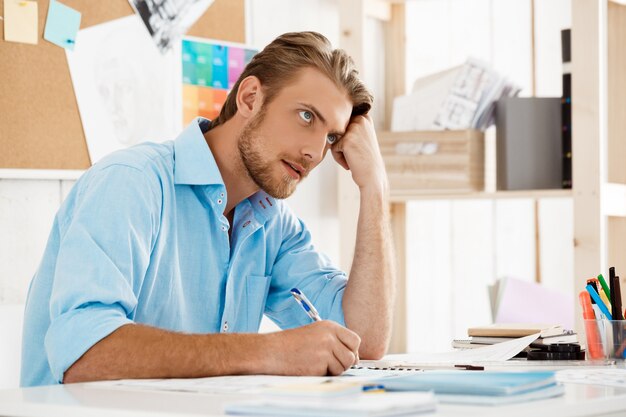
<point>164,257</point>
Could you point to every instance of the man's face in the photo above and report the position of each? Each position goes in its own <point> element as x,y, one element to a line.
<point>290,136</point>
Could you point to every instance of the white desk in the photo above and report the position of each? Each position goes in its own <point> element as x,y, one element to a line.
<point>90,400</point>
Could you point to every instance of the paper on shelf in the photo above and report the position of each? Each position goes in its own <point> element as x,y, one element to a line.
<point>417,110</point>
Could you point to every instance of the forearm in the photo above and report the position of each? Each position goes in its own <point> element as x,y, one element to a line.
<point>137,351</point>
<point>369,294</point>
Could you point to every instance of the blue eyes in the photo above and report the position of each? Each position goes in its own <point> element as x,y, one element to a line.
<point>307,116</point>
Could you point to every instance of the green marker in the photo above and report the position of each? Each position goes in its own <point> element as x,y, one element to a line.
<point>604,286</point>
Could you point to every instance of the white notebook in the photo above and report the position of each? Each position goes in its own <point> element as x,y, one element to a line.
<point>362,405</point>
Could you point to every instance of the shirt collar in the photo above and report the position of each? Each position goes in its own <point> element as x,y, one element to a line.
<point>264,205</point>
<point>194,163</point>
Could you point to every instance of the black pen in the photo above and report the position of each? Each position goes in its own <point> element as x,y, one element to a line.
<point>618,300</point>
<point>614,312</point>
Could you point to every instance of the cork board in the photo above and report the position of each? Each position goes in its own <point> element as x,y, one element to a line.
<point>40,127</point>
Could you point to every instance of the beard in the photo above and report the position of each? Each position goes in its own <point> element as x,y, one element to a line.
<point>259,167</point>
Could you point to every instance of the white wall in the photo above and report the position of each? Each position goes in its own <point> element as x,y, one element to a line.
<point>443,33</point>
<point>457,247</point>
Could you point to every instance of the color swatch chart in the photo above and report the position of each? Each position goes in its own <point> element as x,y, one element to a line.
<point>210,70</point>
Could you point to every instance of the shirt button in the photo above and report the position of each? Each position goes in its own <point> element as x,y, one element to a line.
<point>225,327</point>
<point>219,201</point>
<point>221,194</point>
<point>224,228</point>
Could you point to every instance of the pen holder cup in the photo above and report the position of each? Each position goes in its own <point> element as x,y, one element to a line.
<point>606,339</point>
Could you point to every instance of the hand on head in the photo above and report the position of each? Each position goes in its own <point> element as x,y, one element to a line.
<point>358,151</point>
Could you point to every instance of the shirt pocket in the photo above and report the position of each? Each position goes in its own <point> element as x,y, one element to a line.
<point>257,287</point>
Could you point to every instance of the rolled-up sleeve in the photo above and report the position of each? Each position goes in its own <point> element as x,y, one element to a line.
<point>300,265</point>
<point>104,252</point>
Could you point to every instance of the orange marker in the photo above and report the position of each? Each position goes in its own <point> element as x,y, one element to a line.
<point>594,345</point>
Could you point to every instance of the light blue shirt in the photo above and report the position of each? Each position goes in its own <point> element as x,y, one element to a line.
<point>142,239</point>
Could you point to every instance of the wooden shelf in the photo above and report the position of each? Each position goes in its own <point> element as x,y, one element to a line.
<point>40,174</point>
<point>483,195</point>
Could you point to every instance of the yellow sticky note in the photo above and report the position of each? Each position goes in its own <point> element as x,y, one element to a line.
<point>20,21</point>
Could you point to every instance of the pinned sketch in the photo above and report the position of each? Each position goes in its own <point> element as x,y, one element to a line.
<point>20,21</point>
<point>127,91</point>
<point>62,24</point>
<point>168,20</point>
<point>210,70</point>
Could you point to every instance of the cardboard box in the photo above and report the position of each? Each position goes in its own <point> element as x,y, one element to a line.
<point>428,162</point>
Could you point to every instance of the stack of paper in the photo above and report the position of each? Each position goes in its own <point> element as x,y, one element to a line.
<point>471,342</point>
<point>480,387</point>
<point>516,330</point>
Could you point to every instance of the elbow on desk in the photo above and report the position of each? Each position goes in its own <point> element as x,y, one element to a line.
<point>372,351</point>
<point>72,376</point>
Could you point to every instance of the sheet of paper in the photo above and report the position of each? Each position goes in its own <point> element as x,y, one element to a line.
<point>528,302</point>
<point>62,24</point>
<point>252,384</point>
<point>168,20</point>
<point>597,376</point>
<point>20,21</point>
<point>493,353</point>
<point>127,92</point>
<point>246,384</point>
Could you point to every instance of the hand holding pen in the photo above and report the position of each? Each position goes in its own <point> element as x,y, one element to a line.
<point>333,344</point>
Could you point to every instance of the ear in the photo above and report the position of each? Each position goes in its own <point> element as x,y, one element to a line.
<point>249,96</point>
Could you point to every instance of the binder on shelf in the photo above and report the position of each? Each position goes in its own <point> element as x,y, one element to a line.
<point>528,143</point>
<point>566,109</point>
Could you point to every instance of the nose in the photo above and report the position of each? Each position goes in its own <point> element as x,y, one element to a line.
<point>314,148</point>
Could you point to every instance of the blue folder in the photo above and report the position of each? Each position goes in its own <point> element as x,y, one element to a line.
<point>472,382</point>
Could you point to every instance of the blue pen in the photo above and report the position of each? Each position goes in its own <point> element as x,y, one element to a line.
<point>599,302</point>
<point>372,388</point>
<point>305,304</point>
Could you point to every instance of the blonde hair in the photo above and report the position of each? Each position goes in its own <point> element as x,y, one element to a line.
<point>282,59</point>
